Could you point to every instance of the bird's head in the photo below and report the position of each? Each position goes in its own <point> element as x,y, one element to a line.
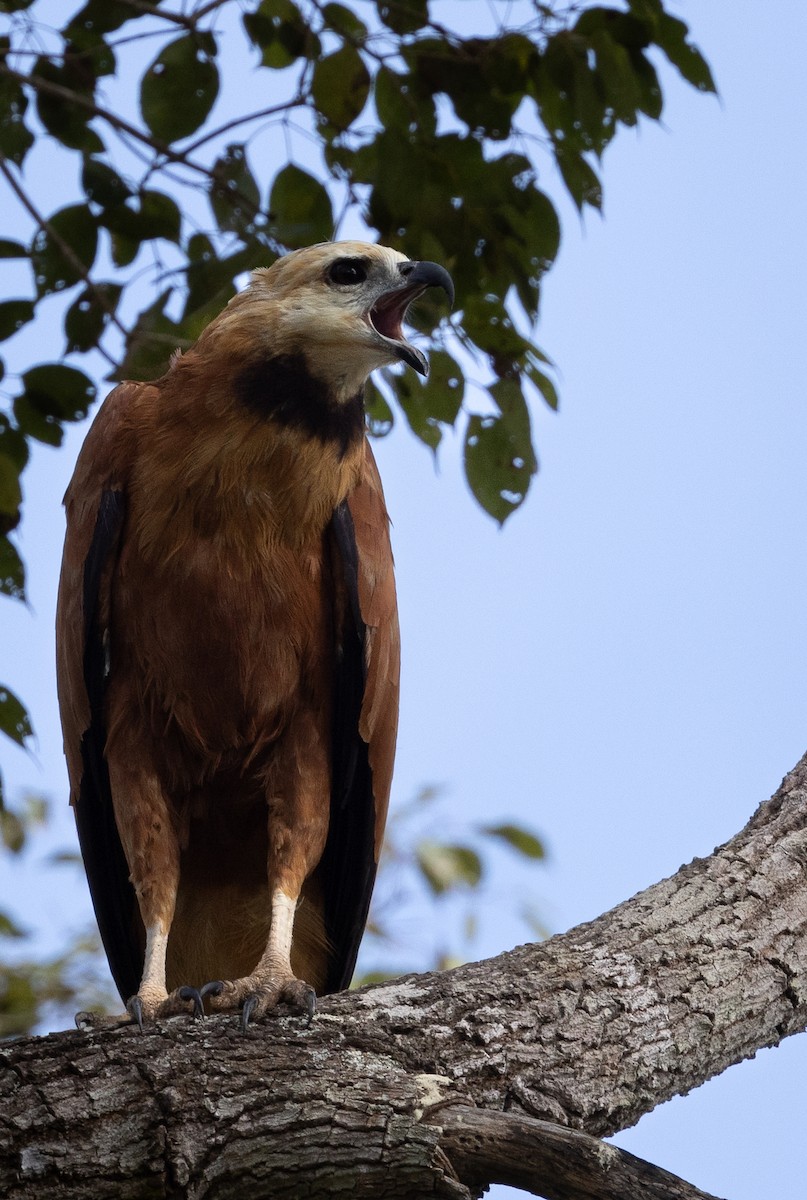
<point>341,306</point>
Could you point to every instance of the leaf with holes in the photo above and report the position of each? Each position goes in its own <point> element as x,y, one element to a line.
<point>12,570</point>
<point>281,33</point>
<point>86,319</point>
<point>102,183</point>
<point>499,459</point>
<point>55,390</point>
<point>180,87</point>
<point>16,138</point>
<point>671,36</point>
<point>64,118</point>
<point>63,253</point>
<point>234,195</point>
<point>14,720</point>
<point>340,86</point>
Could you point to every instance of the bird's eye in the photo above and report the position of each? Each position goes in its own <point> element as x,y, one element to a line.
<point>347,271</point>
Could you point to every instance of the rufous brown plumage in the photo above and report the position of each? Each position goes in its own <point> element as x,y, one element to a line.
<point>227,643</point>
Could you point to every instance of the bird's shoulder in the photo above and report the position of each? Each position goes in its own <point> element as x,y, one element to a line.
<point>111,445</point>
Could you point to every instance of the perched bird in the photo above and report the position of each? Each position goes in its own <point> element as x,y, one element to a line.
<point>227,643</point>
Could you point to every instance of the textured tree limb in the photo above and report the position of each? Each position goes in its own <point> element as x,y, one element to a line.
<point>548,1160</point>
<point>587,1031</point>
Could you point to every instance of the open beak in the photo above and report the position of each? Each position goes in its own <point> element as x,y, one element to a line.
<point>389,311</point>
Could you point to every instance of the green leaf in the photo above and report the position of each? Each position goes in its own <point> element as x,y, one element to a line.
<point>671,36</point>
<point>13,315</point>
<point>403,102</point>
<point>380,418</point>
<point>10,249</point>
<point>74,227</point>
<point>65,119</point>
<point>12,831</point>
<point>340,86</point>
<point>159,217</point>
<point>343,20</point>
<point>540,379</point>
<point>210,279</point>
<point>234,196</point>
<point>480,75</point>
<point>98,17</point>
<point>446,867</point>
<point>55,390</point>
<point>409,394</point>
<point>499,459</point>
<point>180,87</point>
<point>10,497</point>
<point>651,103</point>
<point>581,181</point>
<point>9,928</point>
<point>279,30</point>
<point>618,80</point>
<point>433,403</point>
<point>635,32</point>
<point>16,138</point>
<point>102,184</point>
<point>151,343</point>
<point>12,571</point>
<point>143,218</point>
<point>518,838</point>
<point>87,317</point>
<point>403,16</point>
<point>34,424</point>
<point>14,720</point>
<point>13,443</point>
<point>300,208</point>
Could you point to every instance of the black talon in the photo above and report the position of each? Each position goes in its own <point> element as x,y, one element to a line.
<point>134,1007</point>
<point>192,993</point>
<point>214,988</point>
<point>248,1008</point>
<point>310,1004</point>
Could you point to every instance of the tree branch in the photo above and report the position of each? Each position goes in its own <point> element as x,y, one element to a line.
<point>587,1031</point>
<point>547,1160</point>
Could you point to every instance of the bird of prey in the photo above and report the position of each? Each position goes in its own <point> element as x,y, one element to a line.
<point>227,643</point>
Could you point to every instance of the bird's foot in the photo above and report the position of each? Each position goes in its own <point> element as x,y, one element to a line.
<point>257,995</point>
<point>152,1005</point>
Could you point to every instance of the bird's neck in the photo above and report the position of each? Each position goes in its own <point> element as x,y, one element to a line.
<point>244,474</point>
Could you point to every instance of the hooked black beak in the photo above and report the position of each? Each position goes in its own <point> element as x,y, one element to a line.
<point>389,311</point>
<point>428,274</point>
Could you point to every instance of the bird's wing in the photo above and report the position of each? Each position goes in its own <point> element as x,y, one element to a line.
<point>365,717</point>
<point>96,511</point>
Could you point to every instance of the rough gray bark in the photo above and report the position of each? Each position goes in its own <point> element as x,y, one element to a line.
<point>587,1031</point>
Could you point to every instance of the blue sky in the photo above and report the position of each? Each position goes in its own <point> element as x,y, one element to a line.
<point>622,666</point>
